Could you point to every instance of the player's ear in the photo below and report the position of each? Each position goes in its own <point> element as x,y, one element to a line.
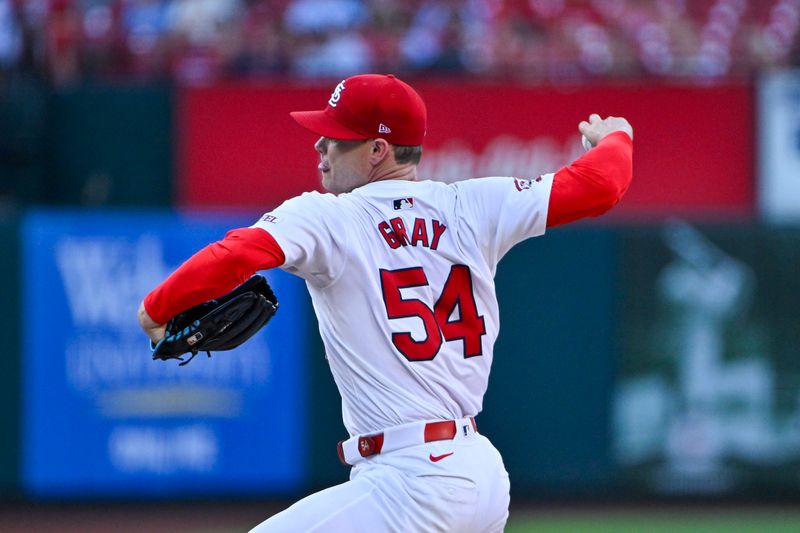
<point>379,150</point>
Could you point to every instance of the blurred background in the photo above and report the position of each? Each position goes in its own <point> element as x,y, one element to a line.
<point>647,375</point>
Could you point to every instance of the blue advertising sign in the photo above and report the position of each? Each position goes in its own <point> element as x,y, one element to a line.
<point>101,418</point>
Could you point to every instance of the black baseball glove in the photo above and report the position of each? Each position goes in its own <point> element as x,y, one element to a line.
<point>220,324</point>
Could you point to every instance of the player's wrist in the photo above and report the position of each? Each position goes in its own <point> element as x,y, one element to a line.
<point>628,133</point>
<point>145,320</point>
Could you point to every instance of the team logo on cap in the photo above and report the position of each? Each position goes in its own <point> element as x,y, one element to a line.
<point>337,93</point>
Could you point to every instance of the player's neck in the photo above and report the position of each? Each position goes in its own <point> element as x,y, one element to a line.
<point>407,172</point>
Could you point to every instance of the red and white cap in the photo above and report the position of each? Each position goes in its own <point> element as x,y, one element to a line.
<point>370,106</point>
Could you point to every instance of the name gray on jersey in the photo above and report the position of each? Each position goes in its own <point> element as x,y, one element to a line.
<point>396,235</point>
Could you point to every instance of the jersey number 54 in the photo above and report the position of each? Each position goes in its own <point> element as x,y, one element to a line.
<point>457,292</point>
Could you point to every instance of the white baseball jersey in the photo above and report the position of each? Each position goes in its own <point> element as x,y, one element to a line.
<point>401,275</point>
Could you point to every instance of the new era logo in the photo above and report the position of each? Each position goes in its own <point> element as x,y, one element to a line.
<point>383,128</point>
<point>403,203</point>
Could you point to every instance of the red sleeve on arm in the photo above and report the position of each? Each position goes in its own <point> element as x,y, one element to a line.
<point>594,183</point>
<point>213,271</point>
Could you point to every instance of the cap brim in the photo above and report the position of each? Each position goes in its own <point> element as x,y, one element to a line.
<point>323,125</point>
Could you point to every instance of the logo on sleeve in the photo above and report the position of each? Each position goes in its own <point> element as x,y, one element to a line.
<point>272,219</point>
<point>523,184</point>
<point>403,203</point>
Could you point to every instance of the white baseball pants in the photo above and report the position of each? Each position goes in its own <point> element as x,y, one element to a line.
<point>418,489</point>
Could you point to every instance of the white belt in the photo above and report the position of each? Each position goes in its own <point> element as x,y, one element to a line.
<point>357,448</point>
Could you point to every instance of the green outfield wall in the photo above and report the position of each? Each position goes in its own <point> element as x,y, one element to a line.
<point>24,163</point>
<point>707,393</point>
<point>112,146</point>
<point>547,408</point>
<point>654,361</point>
<point>105,145</point>
<point>9,355</point>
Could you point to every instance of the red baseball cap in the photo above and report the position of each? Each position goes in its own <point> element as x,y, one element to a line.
<point>370,106</point>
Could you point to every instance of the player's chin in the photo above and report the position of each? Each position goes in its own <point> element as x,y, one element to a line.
<point>328,184</point>
<point>325,178</point>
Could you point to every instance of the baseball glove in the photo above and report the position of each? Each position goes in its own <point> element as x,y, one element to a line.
<point>220,324</point>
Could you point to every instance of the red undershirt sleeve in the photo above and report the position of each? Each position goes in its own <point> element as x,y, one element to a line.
<point>594,183</point>
<point>213,271</point>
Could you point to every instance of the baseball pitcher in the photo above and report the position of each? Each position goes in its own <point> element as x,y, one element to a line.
<point>401,274</point>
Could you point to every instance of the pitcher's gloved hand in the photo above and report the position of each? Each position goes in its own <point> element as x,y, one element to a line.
<point>220,324</point>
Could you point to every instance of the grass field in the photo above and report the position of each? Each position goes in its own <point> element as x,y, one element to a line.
<point>236,518</point>
<point>721,520</point>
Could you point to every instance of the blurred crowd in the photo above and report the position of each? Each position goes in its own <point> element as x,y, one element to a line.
<point>197,41</point>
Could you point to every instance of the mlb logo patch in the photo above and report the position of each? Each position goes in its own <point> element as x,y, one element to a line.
<point>403,203</point>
